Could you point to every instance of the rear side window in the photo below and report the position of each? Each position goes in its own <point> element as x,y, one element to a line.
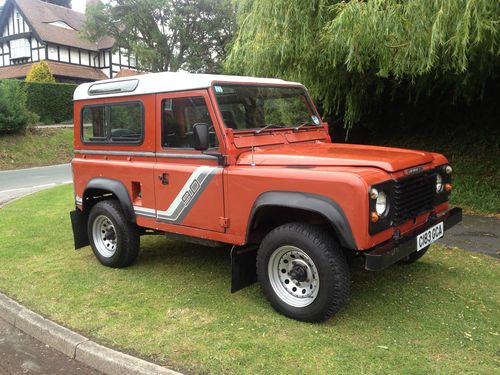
<point>119,123</point>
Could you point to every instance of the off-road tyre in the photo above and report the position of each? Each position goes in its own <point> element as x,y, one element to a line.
<point>108,215</point>
<point>323,253</point>
<point>413,257</point>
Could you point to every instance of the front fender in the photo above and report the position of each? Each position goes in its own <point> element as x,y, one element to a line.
<point>319,204</point>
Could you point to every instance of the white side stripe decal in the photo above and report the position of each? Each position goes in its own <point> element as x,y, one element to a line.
<point>183,202</point>
<point>185,199</point>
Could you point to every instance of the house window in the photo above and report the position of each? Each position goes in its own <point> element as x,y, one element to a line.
<point>132,61</point>
<point>18,16</point>
<point>20,48</point>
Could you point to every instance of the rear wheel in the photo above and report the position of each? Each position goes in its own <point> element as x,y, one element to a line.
<point>114,240</point>
<point>413,257</point>
<point>303,272</point>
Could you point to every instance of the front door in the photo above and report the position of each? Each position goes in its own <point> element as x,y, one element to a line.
<point>188,182</point>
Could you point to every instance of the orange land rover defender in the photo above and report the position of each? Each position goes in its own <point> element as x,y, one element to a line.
<point>220,160</point>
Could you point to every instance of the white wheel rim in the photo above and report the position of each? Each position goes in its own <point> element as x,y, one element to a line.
<point>104,236</point>
<point>282,264</point>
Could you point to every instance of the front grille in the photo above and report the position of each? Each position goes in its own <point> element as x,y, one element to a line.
<point>413,196</point>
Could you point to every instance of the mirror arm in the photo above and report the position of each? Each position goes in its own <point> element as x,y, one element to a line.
<point>221,159</point>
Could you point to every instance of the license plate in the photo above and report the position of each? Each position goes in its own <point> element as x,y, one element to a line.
<point>429,236</point>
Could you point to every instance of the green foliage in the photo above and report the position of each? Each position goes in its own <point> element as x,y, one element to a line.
<point>40,72</point>
<point>354,54</point>
<point>14,113</point>
<point>166,35</point>
<point>53,102</point>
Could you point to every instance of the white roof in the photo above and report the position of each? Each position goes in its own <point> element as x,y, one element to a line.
<point>169,81</point>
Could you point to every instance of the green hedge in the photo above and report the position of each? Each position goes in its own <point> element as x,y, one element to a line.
<point>53,102</point>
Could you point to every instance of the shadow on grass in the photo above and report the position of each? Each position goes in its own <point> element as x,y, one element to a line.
<point>368,288</point>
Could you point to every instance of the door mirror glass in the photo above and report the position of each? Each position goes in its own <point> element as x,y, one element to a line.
<point>200,136</point>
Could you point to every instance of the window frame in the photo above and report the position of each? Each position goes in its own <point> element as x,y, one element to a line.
<point>310,103</point>
<point>163,124</point>
<point>108,140</point>
<point>24,45</point>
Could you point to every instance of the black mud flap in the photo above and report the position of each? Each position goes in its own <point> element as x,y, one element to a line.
<point>243,267</point>
<point>79,224</point>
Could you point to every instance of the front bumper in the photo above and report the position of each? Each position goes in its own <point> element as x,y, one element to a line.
<point>387,253</point>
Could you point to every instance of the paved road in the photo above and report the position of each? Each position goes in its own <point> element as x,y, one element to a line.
<point>16,183</point>
<point>476,233</point>
<point>21,354</point>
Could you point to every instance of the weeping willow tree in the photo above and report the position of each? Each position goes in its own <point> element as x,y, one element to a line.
<point>351,54</point>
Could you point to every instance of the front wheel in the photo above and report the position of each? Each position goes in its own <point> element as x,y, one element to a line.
<point>303,272</point>
<point>114,240</point>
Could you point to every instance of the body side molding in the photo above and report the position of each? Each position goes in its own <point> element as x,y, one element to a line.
<point>322,205</point>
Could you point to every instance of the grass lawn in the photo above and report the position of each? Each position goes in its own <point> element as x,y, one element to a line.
<point>440,315</point>
<point>36,148</point>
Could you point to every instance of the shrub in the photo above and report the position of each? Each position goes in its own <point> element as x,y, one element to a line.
<point>53,102</point>
<point>40,72</point>
<point>14,113</point>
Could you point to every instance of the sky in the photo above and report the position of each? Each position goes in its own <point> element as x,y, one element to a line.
<point>78,5</point>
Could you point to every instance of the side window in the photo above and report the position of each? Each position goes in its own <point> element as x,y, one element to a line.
<point>93,124</point>
<point>113,123</point>
<point>179,115</point>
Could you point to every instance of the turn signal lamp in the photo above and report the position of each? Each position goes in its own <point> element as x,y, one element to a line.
<point>447,187</point>
<point>374,217</point>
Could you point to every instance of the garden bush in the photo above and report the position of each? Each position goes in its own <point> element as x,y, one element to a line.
<point>53,102</point>
<point>14,113</point>
<point>40,72</point>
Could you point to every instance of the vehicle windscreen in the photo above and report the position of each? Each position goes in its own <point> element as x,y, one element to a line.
<point>245,107</point>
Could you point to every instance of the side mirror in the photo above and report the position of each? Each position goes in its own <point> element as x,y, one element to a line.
<point>200,136</point>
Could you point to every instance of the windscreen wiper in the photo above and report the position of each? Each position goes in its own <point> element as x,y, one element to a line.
<point>268,126</point>
<point>302,124</point>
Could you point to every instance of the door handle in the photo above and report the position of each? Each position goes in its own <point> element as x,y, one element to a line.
<point>164,178</point>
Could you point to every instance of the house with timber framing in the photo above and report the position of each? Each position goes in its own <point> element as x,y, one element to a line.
<point>33,30</point>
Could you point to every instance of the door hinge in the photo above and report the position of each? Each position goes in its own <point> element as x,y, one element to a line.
<point>224,222</point>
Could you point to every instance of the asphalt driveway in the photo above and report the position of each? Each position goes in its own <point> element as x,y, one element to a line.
<point>16,183</point>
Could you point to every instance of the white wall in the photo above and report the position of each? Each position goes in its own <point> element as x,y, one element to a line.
<point>14,25</point>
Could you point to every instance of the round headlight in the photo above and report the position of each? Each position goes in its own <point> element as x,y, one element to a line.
<point>381,203</point>
<point>439,183</point>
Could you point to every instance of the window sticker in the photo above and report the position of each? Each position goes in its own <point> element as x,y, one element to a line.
<point>315,119</point>
<point>218,89</point>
